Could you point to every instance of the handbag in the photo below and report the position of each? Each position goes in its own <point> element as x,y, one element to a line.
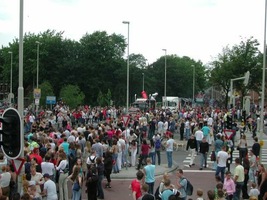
<point>76,186</point>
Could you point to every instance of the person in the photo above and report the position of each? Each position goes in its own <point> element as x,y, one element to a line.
<point>5,178</point>
<point>149,172</point>
<point>254,191</point>
<point>242,148</point>
<point>246,178</point>
<point>182,127</point>
<point>48,167</point>
<point>192,144</point>
<point>144,153</point>
<point>181,184</point>
<point>211,194</point>
<point>222,157</point>
<point>152,151</point>
<point>217,147</point>
<point>114,150</point>
<point>168,191</point>
<point>162,187</point>
<point>76,178</point>
<point>261,175</point>
<point>256,147</point>
<point>49,190</point>
<point>252,166</point>
<point>239,177</point>
<point>37,177</point>
<point>169,150</point>
<point>135,185</point>
<point>133,150</point>
<point>63,175</point>
<point>204,150</point>
<point>206,131</point>
<point>145,194</point>
<point>33,192</point>
<point>263,189</point>
<point>91,183</point>
<point>100,173</point>
<point>157,142</point>
<point>229,185</point>
<point>108,167</point>
<point>200,194</point>
<point>199,137</point>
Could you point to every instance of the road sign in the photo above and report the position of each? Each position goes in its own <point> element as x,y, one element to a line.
<point>50,100</point>
<point>37,93</point>
<point>125,119</point>
<point>37,102</point>
<point>18,164</point>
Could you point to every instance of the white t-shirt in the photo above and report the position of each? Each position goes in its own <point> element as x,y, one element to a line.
<point>222,156</point>
<point>51,191</point>
<point>170,144</point>
<point>199,135</point>
<point>47,168</point>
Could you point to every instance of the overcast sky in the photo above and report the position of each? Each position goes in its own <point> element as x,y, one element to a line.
<point>195,28</point>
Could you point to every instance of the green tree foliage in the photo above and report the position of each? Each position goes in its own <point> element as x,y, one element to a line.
<point>72,95</point>
<point>46,90</point>
<point>234,63</point>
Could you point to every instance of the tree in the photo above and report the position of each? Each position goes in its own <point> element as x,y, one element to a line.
<point>72,95</point>
<point>46,90</point>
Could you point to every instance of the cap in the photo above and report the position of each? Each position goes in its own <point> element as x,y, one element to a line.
<point>46,175</point>
<point>31,183</point>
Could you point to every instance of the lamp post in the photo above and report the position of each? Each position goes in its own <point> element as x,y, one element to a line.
<point>263,82</point>
<point>193,84</point>
<point>143,81</point>
<point>11,63</point>
<point>128,65</point>
<point>165,80</point>
<point>37,75</point>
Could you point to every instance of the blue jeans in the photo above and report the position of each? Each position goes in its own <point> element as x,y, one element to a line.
<point>150,188</point>
<point>115,167</point>
<point>169,158</point>
<point>76,195</point>
<point>238,189</point>
<point>203,161</point>
<point>187,133</point>
<point>100,192</point>
<point>220,170</point>
<point>158,155</point>
<point>152,155</point>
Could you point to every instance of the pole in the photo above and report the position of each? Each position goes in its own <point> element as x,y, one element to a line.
<point>263,82</point>
<point>143,81</point>
<point>21,91</point>
<point>193,83</point>
<point>128,66</point>
<point>231,92</point>
<point>165,80</point>
<point>37,74</point>
<point>11,63</point>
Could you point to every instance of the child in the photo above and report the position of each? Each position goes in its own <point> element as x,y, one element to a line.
<point>200,194</point>
<point>254,191</point>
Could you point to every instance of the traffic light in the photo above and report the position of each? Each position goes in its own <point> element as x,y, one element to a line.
<point>10,133</point>
<point>229,122</point>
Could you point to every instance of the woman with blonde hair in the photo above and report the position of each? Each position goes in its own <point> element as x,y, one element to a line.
<point>261,175</point>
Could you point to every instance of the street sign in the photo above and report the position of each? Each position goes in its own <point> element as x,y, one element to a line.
<point>37,93</point>
<point>37,102</point>
<point>50,100</point>
<point>125,119</point>
<point>18,164</point>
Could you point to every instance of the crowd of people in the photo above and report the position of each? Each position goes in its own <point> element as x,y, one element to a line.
<point>84,146</point>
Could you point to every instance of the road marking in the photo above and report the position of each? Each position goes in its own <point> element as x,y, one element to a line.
<point>199,171</point>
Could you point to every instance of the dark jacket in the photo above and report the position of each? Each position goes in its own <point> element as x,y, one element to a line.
<point>204,147</point>
<point>192,143</point>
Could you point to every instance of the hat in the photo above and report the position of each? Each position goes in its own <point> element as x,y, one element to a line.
<point>31,183</point>
<point>46,175</point>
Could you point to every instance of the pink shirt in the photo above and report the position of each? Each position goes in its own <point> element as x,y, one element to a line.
<point>229,186</point>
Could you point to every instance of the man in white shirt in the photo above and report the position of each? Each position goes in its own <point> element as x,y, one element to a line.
<point>169,150</point>
<point>222,157</point>
<point>50,189</point>
<point>37,177</point>
<point>199,137</point>
<point>48,167</point>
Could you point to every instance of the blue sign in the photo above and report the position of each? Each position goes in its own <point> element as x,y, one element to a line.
<point>50,100</point>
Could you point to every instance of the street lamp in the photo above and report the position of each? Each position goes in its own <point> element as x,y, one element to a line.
<point>193,83</point>
<point>143,81</point>
<point>37,76</point>
<point>263,82</point>
<point>128,65</point>
<point>11,63</point>
<point>165,80</point>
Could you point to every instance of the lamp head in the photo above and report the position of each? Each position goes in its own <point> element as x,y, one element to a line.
<point>126,22</point>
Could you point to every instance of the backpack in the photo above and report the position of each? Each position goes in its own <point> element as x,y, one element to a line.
<point>189,188</point>
<point>157,144</point>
